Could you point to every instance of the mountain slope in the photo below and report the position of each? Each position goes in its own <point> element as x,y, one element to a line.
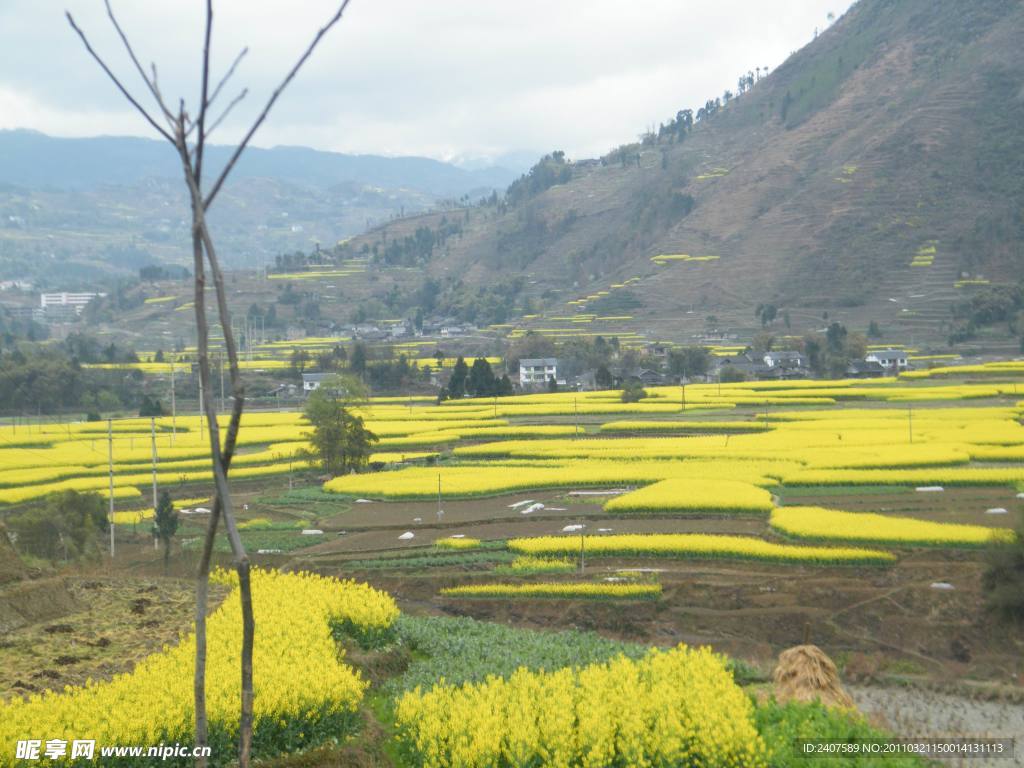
<point>896,132</point>
<point>75,210</point>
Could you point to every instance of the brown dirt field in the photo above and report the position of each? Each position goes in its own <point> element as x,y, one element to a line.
<point>403,513</point>
<point>953,505</point>
<point>753,611</point>
<point>387,541</point>
<point>891,617</point>
<point>105,625</point>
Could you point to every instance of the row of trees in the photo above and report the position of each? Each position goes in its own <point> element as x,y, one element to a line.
<point>547,172</point>
<point>37,379</point>
<point>389,374</point>
<point>16,329</point>
<point>476,381</point>
<point>992,306</point>
<point>418,247</point>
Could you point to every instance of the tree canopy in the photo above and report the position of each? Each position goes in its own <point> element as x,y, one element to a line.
<point>340,442</point>
<point>66,527</point>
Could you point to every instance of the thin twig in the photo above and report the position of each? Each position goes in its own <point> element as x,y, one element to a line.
<point>124,91</point>
<point>270,103</point>
<point>227,75</point>
<point>227,109</point>
<point>138,66</point>
<point>197,170</point>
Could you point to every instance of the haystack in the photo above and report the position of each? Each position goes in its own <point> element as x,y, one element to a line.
<point>806,673</point>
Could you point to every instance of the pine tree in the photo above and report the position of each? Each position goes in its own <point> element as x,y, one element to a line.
<point>165,523</point>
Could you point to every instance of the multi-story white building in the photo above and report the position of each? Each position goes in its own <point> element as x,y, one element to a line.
<point>535,371</point>
<point>76,301</point>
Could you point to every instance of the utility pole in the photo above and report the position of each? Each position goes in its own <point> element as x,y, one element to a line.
<point>152,439</point>
<point>440,512</point>
<point>582,557</point>
<point>110,465</point>
<point>220,364</point>
<point>200,408</point>
<point>174,408</point>
<point>682,396</point>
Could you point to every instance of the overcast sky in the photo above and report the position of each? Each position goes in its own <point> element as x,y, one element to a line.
<point>446,78</point>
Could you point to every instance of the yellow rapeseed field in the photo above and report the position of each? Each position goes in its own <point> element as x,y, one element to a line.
<point>672,708</point>
<point>452,542</point>
<point>526,564</point>
<point>301,685</point>
<point>866,527</point>
<point>697,545</point>
<point>694,496</point>
<point>865,432</point>
<point>492,479</point>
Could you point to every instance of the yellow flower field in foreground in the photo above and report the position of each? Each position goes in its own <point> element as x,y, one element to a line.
<point>821,523</point>
<point>301,688</point>
<point>672,708</point>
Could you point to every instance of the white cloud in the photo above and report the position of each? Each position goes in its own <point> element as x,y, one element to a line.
<point>442,78</point>
<point>21,110</point>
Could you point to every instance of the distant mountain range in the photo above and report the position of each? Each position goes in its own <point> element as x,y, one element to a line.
<point>77,210</point>
<point>31,159</point>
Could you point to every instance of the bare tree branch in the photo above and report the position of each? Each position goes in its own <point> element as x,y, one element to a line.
<point>142,73</point>
<point>124,91</point>
<point>156,89</point>
<point>227,75</point>
<point>217,90</point>
<point>226,111</point>
<point>203,97</point>
<point>270,103</point>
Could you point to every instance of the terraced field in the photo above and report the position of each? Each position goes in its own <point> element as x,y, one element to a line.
<point>852,514</point>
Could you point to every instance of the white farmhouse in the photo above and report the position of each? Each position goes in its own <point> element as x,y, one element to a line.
<point>891,360</point>
<point>312,381</point>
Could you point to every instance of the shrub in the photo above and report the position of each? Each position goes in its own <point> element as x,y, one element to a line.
<point>1003,580</point>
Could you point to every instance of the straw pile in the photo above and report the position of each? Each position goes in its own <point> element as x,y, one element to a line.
<point>805,673</point>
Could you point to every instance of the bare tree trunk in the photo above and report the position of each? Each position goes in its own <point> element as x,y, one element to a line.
<point>178,131</point>
<point>202,601</point>
<point>201,241</point>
